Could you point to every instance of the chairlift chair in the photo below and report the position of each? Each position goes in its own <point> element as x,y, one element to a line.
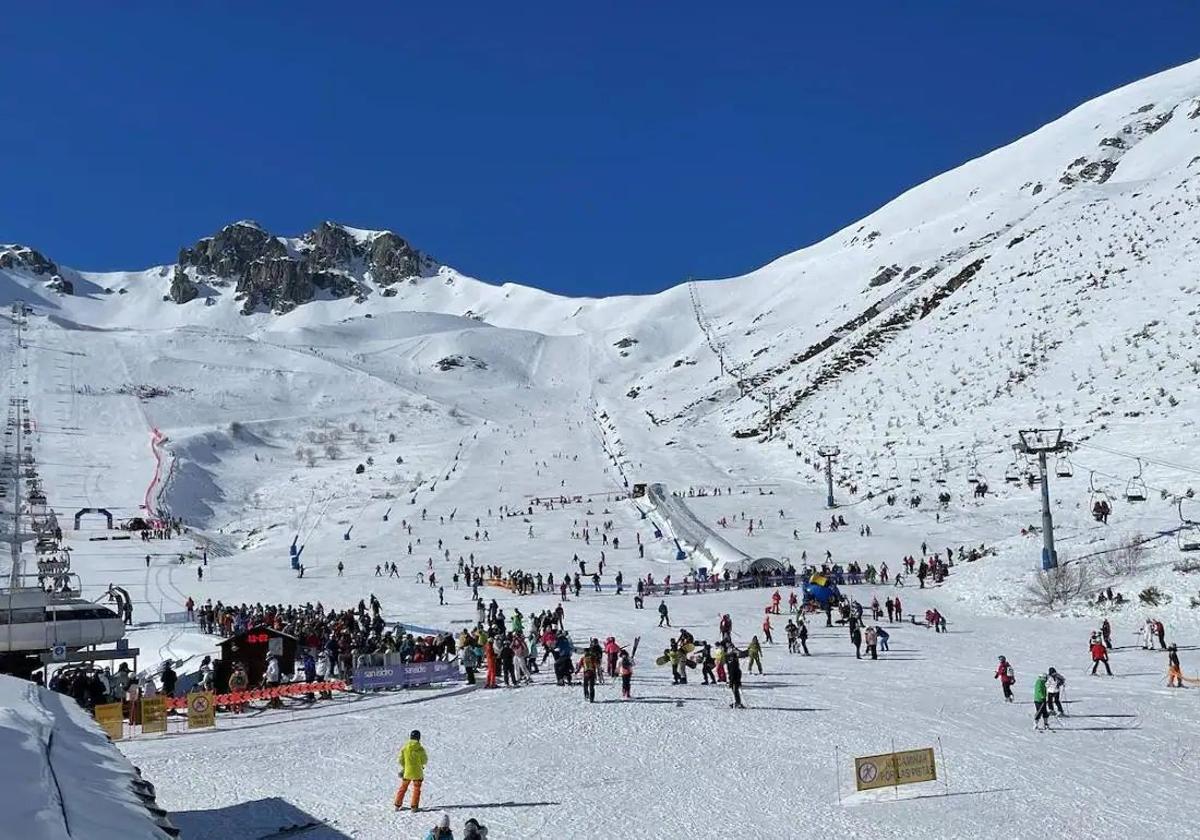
<point>1012,474</point>
<point>1135,490</point>
<point>1063,467</point>
<point>1189,531</point>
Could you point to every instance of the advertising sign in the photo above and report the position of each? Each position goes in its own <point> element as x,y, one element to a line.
<point>399,676</point>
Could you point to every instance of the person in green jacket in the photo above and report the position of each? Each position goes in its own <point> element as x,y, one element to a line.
<point>412,770</point>
<point>754,654</point>
<point>1041,715</point>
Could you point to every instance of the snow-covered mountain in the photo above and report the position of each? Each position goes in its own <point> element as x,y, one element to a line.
<point>1048,282</point>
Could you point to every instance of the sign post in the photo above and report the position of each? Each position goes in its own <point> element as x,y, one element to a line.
<point>154,715</point>
<point>894,769</point>
<point>201,710</point>
<point>111,720</point>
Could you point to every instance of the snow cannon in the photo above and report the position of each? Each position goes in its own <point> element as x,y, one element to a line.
<point>821,589</point>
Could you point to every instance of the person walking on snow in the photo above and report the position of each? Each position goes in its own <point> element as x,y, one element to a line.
<point>1099,654</point>
<point>663,616</point>
<point>1041,714</point>
<point>1004,673</point>
<point>730,659</point>
<point>412,770</point>
<point>625,669</point>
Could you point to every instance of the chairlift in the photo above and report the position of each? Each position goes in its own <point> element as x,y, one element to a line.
<point>1012,474</point>
<point>1189,531</point>
<point>1063,467</point>
<point>894,476</point>
<point>1135,490</point>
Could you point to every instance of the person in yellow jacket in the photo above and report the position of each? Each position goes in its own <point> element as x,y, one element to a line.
<point>412,770</point>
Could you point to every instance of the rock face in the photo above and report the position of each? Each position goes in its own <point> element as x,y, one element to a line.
<point>182,288</point>
<point>280,274</point>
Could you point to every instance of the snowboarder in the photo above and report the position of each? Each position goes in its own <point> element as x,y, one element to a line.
<point>412,763</point>
<point>1004,673</point>
<point>1174,671</point>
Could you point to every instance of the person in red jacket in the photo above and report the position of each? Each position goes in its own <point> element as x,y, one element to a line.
<point>611,649</point>
<point>1004,673</point>
<point>1099,654</point>
<point>490,657</point>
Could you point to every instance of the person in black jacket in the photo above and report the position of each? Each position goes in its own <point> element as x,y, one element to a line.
<point>734,669</point>
<point>169,679</point>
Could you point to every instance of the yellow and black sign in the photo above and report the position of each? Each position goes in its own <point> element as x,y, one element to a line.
<point>891,769</point>
<point>154,715</point>
<point>201,710</point>
<point>111,720</point>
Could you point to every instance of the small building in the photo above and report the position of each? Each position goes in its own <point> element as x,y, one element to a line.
<point>251,648</point>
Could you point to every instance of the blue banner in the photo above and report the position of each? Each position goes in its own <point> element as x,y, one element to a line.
<point>369,677</point>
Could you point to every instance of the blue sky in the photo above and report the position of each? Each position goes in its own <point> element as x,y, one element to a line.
<point>588,148</point>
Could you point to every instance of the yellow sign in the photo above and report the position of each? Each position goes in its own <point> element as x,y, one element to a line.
<point>154,715</point>
<point>111,720</point>
<point>201,710</point>
<point>891,769</point>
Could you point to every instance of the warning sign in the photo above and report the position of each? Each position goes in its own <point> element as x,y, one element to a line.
<point>111,720</point>
<point>891,769</point>
<point>201,710</point>
<point>154,715</point>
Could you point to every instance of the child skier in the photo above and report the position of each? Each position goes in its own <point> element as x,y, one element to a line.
<point>412,763</point>
<point>1004,673</point>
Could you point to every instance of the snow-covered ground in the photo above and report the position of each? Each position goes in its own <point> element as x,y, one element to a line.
<point>1081,312</point>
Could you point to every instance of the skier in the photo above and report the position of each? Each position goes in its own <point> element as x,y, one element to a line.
<point>1099,655</point>
<point>802,635</point>
<point>1106,632</point>
<point>754,654</point>
<point>1054,686</point>
<point>706,665</point>
<point>341,567</point>
<point>1041,713</point>
<point>412,763</point>
<point>663,616</point>
<point>766,626</point>
<point>1004,673</point>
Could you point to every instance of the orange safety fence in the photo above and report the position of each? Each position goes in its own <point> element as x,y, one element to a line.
<point>498,582</point>
<point>288,690</point>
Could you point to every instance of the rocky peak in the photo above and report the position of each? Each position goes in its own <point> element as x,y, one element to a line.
<point>266,272</point>
<point>24,258</point>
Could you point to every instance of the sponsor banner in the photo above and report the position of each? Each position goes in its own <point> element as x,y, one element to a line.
<point>111,720</point>
<point>201,709</point>
<point>175,617</point>
<point>399,676</point>
<point>892,769</point>
<point>154,714</point>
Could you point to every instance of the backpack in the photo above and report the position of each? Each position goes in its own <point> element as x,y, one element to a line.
<point>1008,672</point>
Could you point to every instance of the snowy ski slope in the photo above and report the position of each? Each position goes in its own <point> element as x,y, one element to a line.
<point>1051,282</point>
